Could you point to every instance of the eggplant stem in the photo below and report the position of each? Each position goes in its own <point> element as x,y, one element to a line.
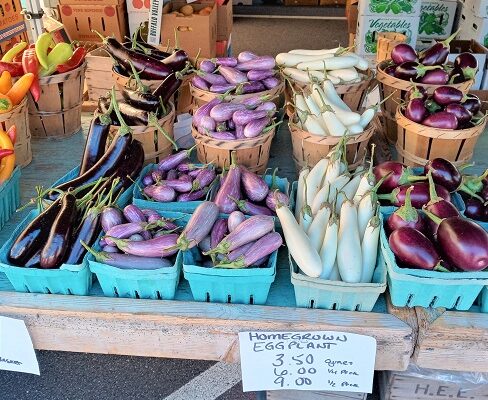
<point>99,256</point>
<point>140,87</point>
<point>433,217</point>
<point>124,128</point>
<point>155,123</point>
<point>440,268</point>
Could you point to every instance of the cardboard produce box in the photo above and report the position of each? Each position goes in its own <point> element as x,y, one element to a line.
<point>391,8</point>
<point>225,19</point>
<point>195,32</point>
<point>137,13</point>
<point>80,19</point>
<point>437,18</point>
<point>479,29</point>
<point>479,7</point>
<point>369,26</point>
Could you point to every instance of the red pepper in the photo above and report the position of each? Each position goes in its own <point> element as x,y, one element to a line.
<point>5,152</point>
<point>31,64</point>
<point>15,68</point>
<point>74,62</point>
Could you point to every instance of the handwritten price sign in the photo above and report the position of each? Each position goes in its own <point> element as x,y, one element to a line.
<point>319,360</point>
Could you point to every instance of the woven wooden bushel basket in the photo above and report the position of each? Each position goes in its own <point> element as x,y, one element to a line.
<point>155,144</point>
<point>57,114</point>
<point>252,153</point>
<point>201,97</point>
<point>398,88</point>
<point>417,143</point>
<point>19,117</point>
<point>386,43</point>
<point>309,149</point>
<point>352,94</point>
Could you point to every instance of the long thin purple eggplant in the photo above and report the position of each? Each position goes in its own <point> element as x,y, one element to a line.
<point>227,61</point>
<point>250,87</point>
<point>230,187</point>
<point>124,231</point>
<point>200,83</point>
<point>173,160</point>
<point>162,246</point>
<point>255,188</point>
<point>207,66</point>
<point>212,79</point>
<point>199,225</point>
<point>204,178</point>
<point>227,135</point>
<point>219,230</point>
<point>223,88</point>
<point>243,117</point>
<point>224,111</point>
<point>259,75</point>
<point>179,185</point>
<point>259,63</point>
<point>192,196</point>
<point>271,82</point>
<point>250,208</point>
<point>232,75</point>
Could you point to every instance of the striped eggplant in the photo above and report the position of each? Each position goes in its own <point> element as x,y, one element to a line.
<point>185,178</point>
<point>173,160</point>
<point>268,106</point>
<point>276,197</point>
<point>160,193</point>
<point>204,245</point>
<point>235,218</point>
<point>259,250</point>
<point>259,63</point>
<point>207,66</point>
<point>271,82</point>
<point>235,254</point>
<point>245,56</point>
<point>251,229</point>
<point>256,127</point>
<point>111,216</point>
<point>232,75</point>
<point>219,230</point>
<point>222,88</point>
<point>240,132</point>
<point>212,79</point>
<point>226,135</point>
<point>178,185</point>
<point>255,188</point>
<point>150,215</point>
<point>132,213</point>
<point>207,123</point>
<point>204,110</point>
<point>192,196</point>
<point>200,83</point>
<point>253,102</point>
<point>230,187</point>
<point>199,225</point>
<point>157,175</point>
<point>162,246</point>
<point>204,178</point>
<point>259,75</point>
<point>172,174</point>
<point>224,111</point>
<point>250,87</point>
<point>147,180</point>
<point>124,231</point>
<point>227,61</point>
<point>250,208</point>
<point>243,117</point>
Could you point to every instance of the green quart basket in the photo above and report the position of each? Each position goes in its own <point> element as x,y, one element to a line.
<point>9,197</point>
<point>416,287</point>
<point>337,295</point>
<point>238,286</point>
<point>68,279</point>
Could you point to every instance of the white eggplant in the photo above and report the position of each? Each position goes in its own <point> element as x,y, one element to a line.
<point>333,96</point>
<point>348,191</point>
<point>361,64</point>
<point>315,52</point>
<point>345,74</point>
<point>336,186</point>
<point>335,275</point>
<point>328,250</point>
<point>369,249</point>
<point>366,211</point>
<point>349,256</point>
<point>320,198</point>
<point>300,198</point>
<point>367,116</point>
<point>345,117</point>
<point>292,60</point>
<point>340,62</point>
<point>368,180</point>
<point>315,178</point>
<point>314,125</point>
<point>316,232</point>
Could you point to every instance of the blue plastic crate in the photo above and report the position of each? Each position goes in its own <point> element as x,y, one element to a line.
<point>337,295</point>
<point>9,197</point>
<point>416,287</point>
<point>68,279</point>
<point>149,284</point>
<point>238,286</point>
<point>484,300</point>
<point>484,225</point>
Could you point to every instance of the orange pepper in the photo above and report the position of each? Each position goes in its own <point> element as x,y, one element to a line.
<point>20,88</point>
<point>5,104</point>
<point>5,82</point>
<point>7,163</point>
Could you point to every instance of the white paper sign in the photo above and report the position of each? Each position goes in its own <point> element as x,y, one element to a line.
<point>16,349</point>
<point>154,26</point>
<point>317,360</point>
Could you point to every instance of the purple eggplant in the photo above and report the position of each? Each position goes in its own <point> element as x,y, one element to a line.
<point>235,254</point>
<point>259,75</point>
<point>435,77</point>
<point>192,196</point>
<point>253,102</point>
<point>147,180</point>
<point>446,95</point>
<point>460,112</point>
<point>250,230</point>
<point>271,82</point>
<point>231,125</point>
<point>463,243</point>
<point>136,237</point>
<point>267,106</point>
<point>416,111</point>
<point>390,70</point>
<point>212,79</point>
<point>398,173</point>
<point>441,120</point>
<point>162,246</point>
<point>245,56</point>
<point>406,216</point>
<point>403,52</point>
<point>243,117</point>
<point>250,87</point>
<point>444,173</point>
<point>157,175</point>
<point>260,249</point>
<point>193,174</point>
<point>240,132</point>
<point>222,88</point>
<point>132,213</point>
<point>207,66</point>
<point>416,92</point>
<point>204,111</point>
<point>276,197</point>
<point>204,178</point>
<point>259,63</point>
<point>475,209</point>
<point>256,127</point>
<point>250,208</point>
<point>472,103</point>
<point>255,188</point>
<point>412,249</point>
<point>188,166</point>
<point>185,177</point>
<point>411,70</point>
<point>437,53</point>
<point>232,75</point>
<point>468,64</point>
<point>420,194</point>
<point>230,187</point>
<point>151,215</point>
<point>235,218</point>
<point>160,193</point>
<point>199,225</point>
<point>111,216</point>
<point>110,249</point>
<point>224,111</point>
<point>124,231</point>
<point>172,174</point>
<point>178,185</point>
<point>228,135</point>
<point>204,245</point>
<point>219,230</point>
<point>173,160</point>
<point>207,123</point>
<point>200,83</point>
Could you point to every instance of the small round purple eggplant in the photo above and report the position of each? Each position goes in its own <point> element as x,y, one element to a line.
<point>413,249</point>
<point>160,193</point>
<point>204,245</point>
<point>441,120</point>
<point>403,52</point>
<point>472,103</point>
<point>435,77</point>
<point>235,218</point>
<point>468,64</point>
<point>172,174</point>
<point>136,237</point>
<point>276,197</point>
<point>147,180</point>
<point>444,173</point>
<point>416,111</point>
<point>406,216</point>
<point>446,95</point>
<point>462,114</point>
<point>476,210</point>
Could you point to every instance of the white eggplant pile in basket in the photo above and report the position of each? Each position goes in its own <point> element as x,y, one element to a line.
<point>322,112</point>
<point>335,229</point>
<point>338,65</point>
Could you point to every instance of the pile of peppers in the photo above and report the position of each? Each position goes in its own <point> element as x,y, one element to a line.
<point>74,208</point>
<point>43,58</point>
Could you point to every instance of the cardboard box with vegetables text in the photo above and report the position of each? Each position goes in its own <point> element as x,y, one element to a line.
<point>437,18</point>
<point>369,26</point>
<point>225,20</point>
<point>390,8</point>
<point>196,33</point>
<point>479,7</point>
<point>79,21</point>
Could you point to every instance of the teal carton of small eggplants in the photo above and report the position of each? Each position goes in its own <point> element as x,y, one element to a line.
<point>218,285</point>
<point>9,197</point>
<point>68,279</point>
<point>338,295</point>
<point>417,287</point>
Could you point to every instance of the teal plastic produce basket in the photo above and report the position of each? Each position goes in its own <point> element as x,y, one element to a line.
<point>416,287</point>
<point>9,197</point>
<point>69,279</point>
<point>484,300</point>
<point>335,295</point>
<point>238,286</point>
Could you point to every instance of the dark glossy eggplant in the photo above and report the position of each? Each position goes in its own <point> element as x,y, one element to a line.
<point>95,144</point>
<point>399,175</point>
<point>437,53</point>
<point>177,61</point>
<point>441,120</point>
<point>435,77</point>
<point>444,173</point>
<point>420,194</point>
<point>446,95</point>
<point>415,110</point>
<point>406,216</point>
<point>475,209</point>
<point>139,100</point>
<point>460,112</point>
<point>411,70</point>
<point>167,88</point>
<point>472,103</point>
<point>468,64</point>
<point>403,52</point>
